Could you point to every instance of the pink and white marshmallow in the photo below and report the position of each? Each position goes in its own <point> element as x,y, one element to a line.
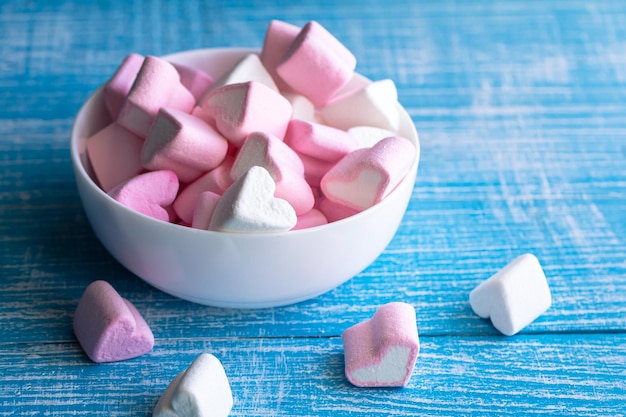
<point>108,327</point>
<point>375,104</point>
<point>157,85</point>
<point>202,390</point>
<point>319,141</point>
<point>240,109</point>
<point>118,86</point>
<point>248,68</point>
<point>205,206</point>
<point>217,181</point>
<point>382,351</point>
<point>194,79</point>
<point>183,143</point>
<point>114,154</point>
<point>366,176</point>
<point>514,296</point>
<point>249,205</point>
<point>286,169</point>
<point>278,38</point>
<point>316,64</point>
<point>151,193</point>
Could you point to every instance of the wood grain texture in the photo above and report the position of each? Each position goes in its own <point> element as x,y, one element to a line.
<point>520,109</point>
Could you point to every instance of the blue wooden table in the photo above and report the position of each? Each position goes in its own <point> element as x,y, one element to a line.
<point>521,109</point>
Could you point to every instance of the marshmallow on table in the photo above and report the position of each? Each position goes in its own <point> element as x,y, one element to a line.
<point>319,141</point>
<point>249,205</point>
<point>205,206</point>
<point>114,154</point>
<point>194,79</point>
<point>118,86</point>
<point>243,108</point>
<point>368,136</point>
<point>248,68</point>
<point>278,37</point>
<point>217,181</point>
<point>513,297</point>
<point>382,351</point>
<point>150,193</point>
<point>157,85</point>
<point>375,104</point>
<point>366,176</point>
<point>316,64</point>
<point>202,390</point>
<point>286,169</point>
<point>182,143</point>
<point>108,327</point>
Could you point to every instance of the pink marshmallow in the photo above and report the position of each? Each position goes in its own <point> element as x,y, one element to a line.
<point>183,143</point>
<point>249,205</point>
<point>334,211</point>
<point>117,88</point>
<point>240,109</point>
<point>114,154</point>
<point>314,169</point>
<point>319,141</point>
<point>157,85</point>
<point>312,218</point>
<point>278,38</point>
<point>382,351</point>
<point>108,327</point>
<point>207,201</point>
<point>267,151</point>
<point>217,181</point>
<point>148,193</point>
<point>365,176</point>
<point>316,64</point>
<point>194,79</point>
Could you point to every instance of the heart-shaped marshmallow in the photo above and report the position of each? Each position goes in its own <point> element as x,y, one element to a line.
<point>240,109</point>
<point>278,37</point>
<point>202,390</point>
<point>217,180</point>
<point>366,176</point>
<point>150,193</point>
<point>248,68</point>
<point>375,104</point>
<point>114,154</point>
<point>382,351</point>
<point>184,144</point>
<point>108,327</point>
<point>118,86</point>
<point>514,296</point>
<point>316,64</point>
<point>144,99</point>
<point>319,141</point>
<point>283,164</point>
<point>249,205</point>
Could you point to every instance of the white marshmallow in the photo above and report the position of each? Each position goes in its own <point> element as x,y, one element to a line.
<point>249,68</point>
<point>513,297</point>
<point>200,391</point>
<point>375,104</point>
<point>249,205</point>
<point>368,136</point>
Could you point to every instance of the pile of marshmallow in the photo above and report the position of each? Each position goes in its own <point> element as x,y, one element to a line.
<point>378,352</point>
<point>286,139</point>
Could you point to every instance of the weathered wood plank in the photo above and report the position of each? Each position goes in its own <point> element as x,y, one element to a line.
<point>562,375</point>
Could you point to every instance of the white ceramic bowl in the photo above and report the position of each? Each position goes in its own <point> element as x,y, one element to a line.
<point>231,269</point>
